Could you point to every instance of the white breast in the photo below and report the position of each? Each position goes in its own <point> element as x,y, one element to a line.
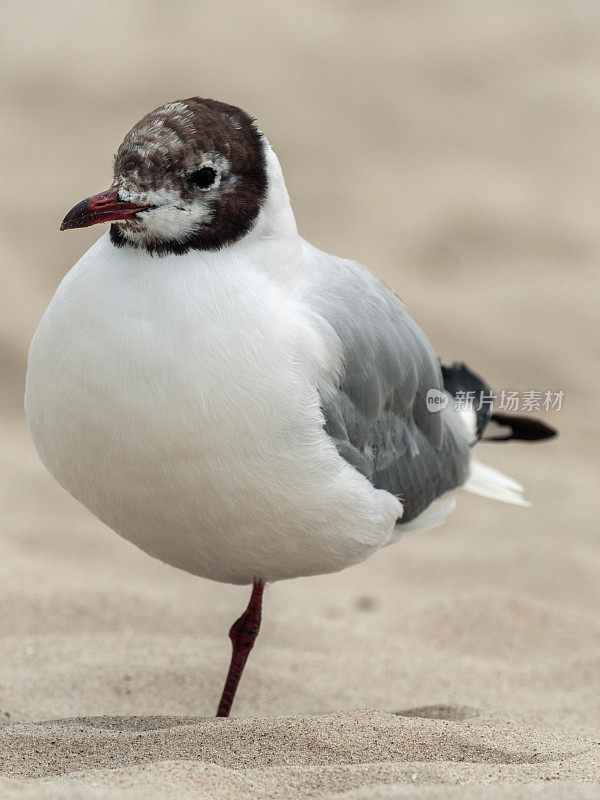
<point>176,398</point>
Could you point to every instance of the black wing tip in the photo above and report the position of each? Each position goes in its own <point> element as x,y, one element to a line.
<point>458,377</point>
<point>524,429</point>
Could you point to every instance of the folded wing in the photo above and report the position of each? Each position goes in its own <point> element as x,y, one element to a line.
<point>376,410</point>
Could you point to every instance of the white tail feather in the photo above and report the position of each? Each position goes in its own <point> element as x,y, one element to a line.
<point>434,515</point>
<point>483,480</point>
<point>489,482</point>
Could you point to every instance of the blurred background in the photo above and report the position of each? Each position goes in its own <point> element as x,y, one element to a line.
<point>453,149</point>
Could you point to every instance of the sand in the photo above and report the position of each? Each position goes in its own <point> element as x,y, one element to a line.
<point>454,149</point>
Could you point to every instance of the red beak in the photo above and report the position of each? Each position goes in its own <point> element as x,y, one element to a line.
<point>103,207</point>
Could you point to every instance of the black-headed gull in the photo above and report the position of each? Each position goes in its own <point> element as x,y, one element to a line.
<point>226,396</point>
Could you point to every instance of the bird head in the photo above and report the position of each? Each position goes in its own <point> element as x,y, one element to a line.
<point>190,175</point>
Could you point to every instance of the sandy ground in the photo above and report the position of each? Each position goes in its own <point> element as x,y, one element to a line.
<point>452,147</point>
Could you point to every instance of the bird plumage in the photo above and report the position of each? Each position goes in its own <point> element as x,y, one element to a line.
<point>223,394</point>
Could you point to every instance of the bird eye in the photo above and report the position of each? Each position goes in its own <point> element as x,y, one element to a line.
<point>203,178</point>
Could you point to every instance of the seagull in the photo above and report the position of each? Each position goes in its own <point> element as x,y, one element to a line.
<point>231,399</point>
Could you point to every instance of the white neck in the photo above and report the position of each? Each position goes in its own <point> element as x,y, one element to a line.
<point>273,243</point>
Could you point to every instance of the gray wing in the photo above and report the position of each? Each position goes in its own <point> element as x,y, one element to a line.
<point>377,413</point>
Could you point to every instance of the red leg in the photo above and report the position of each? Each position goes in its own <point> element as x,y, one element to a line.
<point>242,634</point>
